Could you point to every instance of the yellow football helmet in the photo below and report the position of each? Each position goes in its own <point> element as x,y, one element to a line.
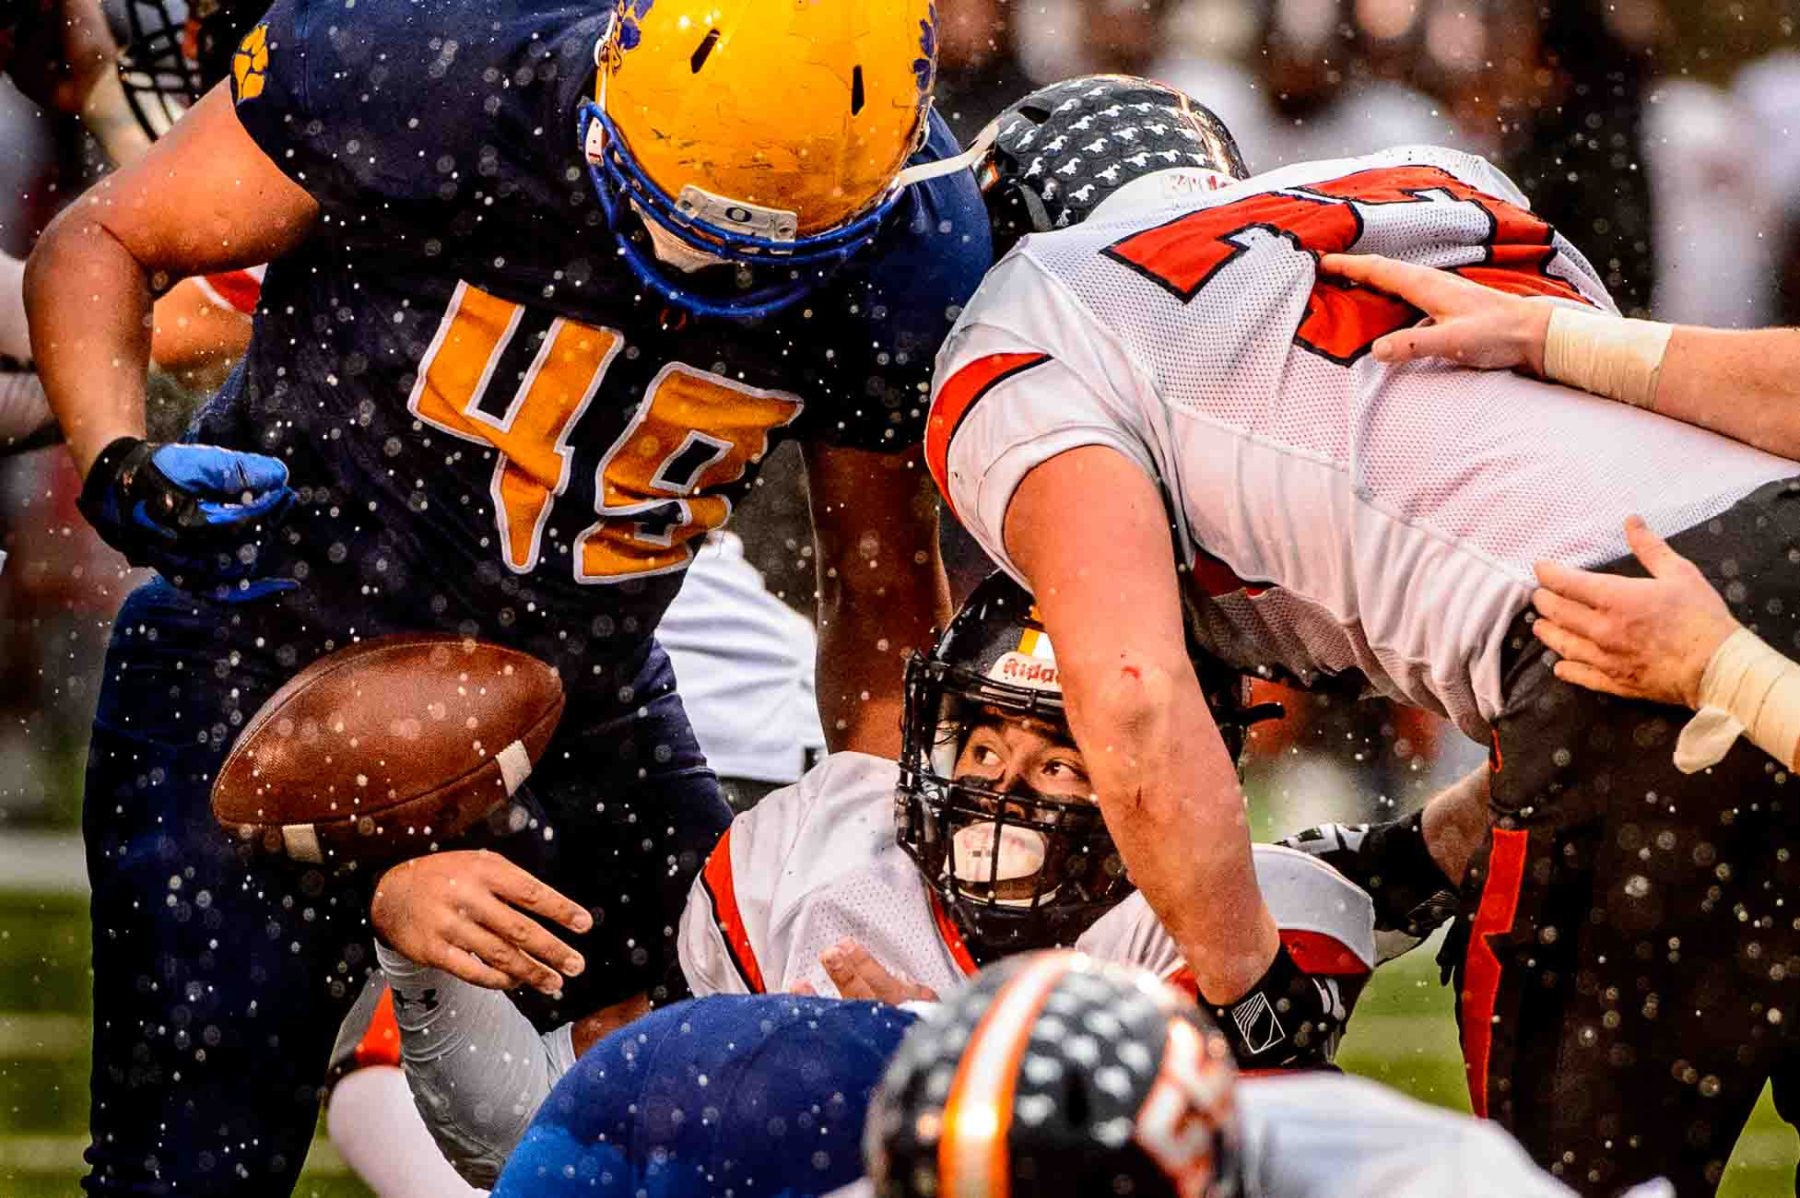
<point>758,130</point>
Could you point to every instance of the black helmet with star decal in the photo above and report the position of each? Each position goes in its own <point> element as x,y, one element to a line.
<point>1062,150</point>
<point>1054,1075</point>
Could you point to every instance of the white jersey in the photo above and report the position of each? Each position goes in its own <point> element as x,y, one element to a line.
<point>1339,515</point>
<point>818,861</point>
<point>744,665</point>
<point>1323,1135</point>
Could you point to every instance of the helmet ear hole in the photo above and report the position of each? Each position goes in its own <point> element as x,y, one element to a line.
<point>856,90</point>
<point>1075,1104</point>
<point>704,50</point>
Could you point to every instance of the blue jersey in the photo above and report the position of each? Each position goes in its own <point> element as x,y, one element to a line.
<point>757,1096</point>
<point>493,428</point>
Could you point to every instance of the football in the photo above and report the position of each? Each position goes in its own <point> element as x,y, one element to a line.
<point>387,749</point>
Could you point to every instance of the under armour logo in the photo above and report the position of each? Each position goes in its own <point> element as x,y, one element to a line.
<point>426,1000</point>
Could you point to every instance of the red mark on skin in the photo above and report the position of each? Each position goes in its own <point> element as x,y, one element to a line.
<point>1131,672</point>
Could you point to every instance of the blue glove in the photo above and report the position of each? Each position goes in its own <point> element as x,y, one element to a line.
<point>198,514</point>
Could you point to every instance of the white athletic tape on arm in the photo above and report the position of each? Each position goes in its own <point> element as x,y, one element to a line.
<point>515,766</point>
<point>1748,688</point>
<point>1607,355</point>
<point>302,843</point>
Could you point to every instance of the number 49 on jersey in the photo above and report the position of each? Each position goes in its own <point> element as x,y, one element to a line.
<point>694,432</point>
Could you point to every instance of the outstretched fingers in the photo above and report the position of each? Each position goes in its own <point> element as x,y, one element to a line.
<point>1654,552</point>
<point>1585,587</point>
<point>527,893</point>
<point>1570,614</point>
<point>1421,286</point>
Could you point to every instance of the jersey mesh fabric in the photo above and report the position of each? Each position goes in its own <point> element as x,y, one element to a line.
<point>1392,515</point>
<point>883,907</point>
<point>809,858</point>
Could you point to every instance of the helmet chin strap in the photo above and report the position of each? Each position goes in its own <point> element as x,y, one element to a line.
<point>949,166</point>
<point>671,250</point>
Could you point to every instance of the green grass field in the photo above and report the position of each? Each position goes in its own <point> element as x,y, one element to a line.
<point>1403,1034</point>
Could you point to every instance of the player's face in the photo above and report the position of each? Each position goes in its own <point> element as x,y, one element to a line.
<point>1008,754</point>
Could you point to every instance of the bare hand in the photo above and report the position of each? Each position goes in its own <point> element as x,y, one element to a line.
<point>1468,324</point>
<point>858,975</point>
<point>1642,638</point>
<point>463,912</point>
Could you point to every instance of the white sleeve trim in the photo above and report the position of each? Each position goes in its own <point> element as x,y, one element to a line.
<point>1000,481</point>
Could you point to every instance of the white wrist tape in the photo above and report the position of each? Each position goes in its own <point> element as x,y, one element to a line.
<point>1748,689</point>
<point>1607,355</point>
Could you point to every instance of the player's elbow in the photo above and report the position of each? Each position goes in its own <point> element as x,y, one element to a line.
<point>1143,708</point>
<point>39,263</point>
<point>75,247</point>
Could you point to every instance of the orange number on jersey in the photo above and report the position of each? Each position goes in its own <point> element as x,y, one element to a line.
<point>1342,320</point>
<point>693,431</point>
<point>532,433</point>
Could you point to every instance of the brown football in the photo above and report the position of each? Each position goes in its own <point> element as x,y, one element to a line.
<point>387,749</point>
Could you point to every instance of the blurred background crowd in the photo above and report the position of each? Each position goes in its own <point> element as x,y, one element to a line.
<point>1659,135</point>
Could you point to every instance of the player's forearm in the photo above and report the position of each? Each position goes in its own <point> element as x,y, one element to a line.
<point>870,616</point>
<point>196,339</point>
<point>1456,818</point>
<point>25,420</point>
<point>882,590</point>
<point>106,114</point>
<point>89,304</point>
<point>1171,799</point>
<point>1744,384</point>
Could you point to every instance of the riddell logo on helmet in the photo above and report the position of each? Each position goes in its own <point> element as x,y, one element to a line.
<point>1023,670</point>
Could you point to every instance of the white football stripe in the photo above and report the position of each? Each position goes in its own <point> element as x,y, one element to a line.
<point>302,843</point>
<point>515,765</point>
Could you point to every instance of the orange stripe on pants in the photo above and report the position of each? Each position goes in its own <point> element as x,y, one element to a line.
<point>1481,969</point>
